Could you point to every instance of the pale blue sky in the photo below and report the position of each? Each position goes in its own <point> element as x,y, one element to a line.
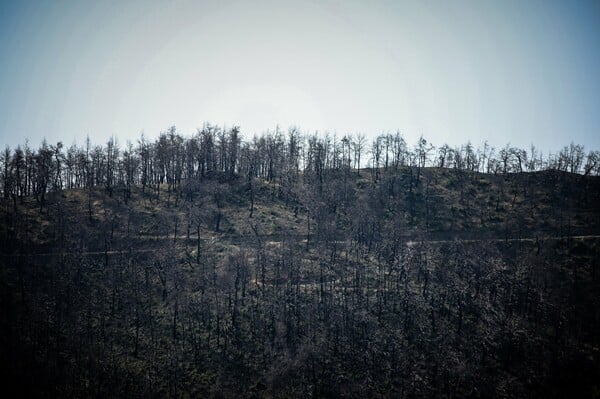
<point>504,71</point>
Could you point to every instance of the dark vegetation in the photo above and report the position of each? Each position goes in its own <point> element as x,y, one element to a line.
<point>279,267</point>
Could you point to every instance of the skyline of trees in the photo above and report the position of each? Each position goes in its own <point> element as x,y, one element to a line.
<point>173,158</point>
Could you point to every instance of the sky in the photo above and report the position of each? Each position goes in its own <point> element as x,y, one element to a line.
<point>518,72</point>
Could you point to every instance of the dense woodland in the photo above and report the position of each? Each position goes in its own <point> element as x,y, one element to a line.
<point>294,265</point>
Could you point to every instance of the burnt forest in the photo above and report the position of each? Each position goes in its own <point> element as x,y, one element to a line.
<point>295,265</point>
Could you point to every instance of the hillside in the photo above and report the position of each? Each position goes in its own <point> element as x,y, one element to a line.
<point>393,282</point>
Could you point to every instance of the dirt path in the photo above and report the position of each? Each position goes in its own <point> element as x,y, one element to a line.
<point>276,239</point>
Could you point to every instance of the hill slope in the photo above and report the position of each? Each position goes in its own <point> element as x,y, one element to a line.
<point>402,283</point>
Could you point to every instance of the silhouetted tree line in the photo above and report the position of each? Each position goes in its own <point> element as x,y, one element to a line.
<point>275,156</point>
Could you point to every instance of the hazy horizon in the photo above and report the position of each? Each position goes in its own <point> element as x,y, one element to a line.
<point>469,71</point>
